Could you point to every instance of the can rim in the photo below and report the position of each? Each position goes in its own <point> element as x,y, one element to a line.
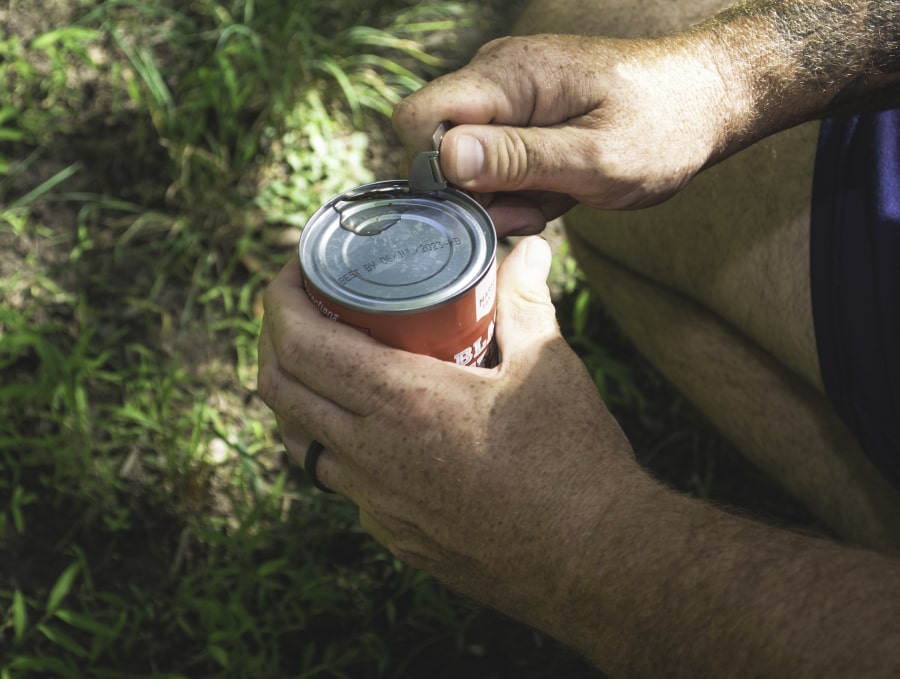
<point>326,223</point>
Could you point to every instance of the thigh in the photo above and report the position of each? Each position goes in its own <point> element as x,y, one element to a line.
<point>736,240</point>
<point>614,18</point>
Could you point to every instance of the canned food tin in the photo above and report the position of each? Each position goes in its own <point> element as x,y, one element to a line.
<point>414,270</point>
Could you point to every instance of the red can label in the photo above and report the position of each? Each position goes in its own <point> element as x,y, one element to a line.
<point>461,331</point>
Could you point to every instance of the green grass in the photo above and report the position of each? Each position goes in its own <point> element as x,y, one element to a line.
<point>156,161</point>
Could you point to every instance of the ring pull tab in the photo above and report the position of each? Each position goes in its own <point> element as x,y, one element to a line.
<point>368,212</point>
<point>425,174</point>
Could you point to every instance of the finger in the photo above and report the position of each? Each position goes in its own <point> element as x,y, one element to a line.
<point>503,158</point>
<point>515,215</point>
<point>504,84</point>
<point>450,98</point>
<point>302,414</point>
<point>525,313</point>
<point>519,122</point>
<point>332,360</point>
<point>297,444</point>
<point>525,214</point>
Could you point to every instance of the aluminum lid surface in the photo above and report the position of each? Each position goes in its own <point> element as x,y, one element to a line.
<point>382,248</point>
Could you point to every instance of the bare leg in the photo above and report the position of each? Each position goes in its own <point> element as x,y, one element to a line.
<point>736,240</point>
<point>713,286</point>
<point>780,422</point>
<point>614,18</point>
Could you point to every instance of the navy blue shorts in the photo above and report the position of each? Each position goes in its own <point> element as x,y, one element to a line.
<point>855,274</point>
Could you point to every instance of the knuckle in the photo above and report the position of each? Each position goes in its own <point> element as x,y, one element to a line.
<point>493,46</point>
<point>512,158</point>
<point>269,385</point>
<point>270,377</point>
<point>269,299</point>
<point>290,352</point>
<point>395,403</point>
<point>389,393</point>
<point>406,543</point>
<point>402,114</point>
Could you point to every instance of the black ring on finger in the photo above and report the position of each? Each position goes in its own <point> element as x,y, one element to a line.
<point>309,465</point>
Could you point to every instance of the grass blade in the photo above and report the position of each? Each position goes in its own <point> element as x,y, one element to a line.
<point>62,587</point>
<point>331,67</point>
<point>20,615</point>
<point>46,187</point>
<point>85,623</point>
<point>63,641</point>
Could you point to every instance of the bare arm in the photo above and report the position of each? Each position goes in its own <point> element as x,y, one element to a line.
<point>516,487</point>
<point>798,60</point>
<point>676,587</point>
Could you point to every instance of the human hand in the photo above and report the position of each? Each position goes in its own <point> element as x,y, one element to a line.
<point>565,119</point>
<point>490,479</point>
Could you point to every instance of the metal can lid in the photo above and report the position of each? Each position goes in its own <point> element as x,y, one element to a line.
<point>382,248</point>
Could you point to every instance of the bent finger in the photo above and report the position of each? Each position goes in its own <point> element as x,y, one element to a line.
<point>321,465</point>
<point>465,96</point>
<point>331,359</point>
<point>526,213</point>
<point>526,317</point>
<point>296,405</point>
<point>561,159</point>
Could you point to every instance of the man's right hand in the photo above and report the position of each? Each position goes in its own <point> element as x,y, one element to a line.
<point>566,119</point>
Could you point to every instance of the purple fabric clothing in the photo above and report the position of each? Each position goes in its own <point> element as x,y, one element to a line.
<point>855,273</point>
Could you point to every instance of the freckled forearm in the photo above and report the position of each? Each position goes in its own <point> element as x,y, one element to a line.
<point>799,60</point>
<point>671,586</point>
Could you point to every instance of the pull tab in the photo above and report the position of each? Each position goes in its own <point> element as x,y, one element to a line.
<point>369,211</point>
<point>425,174</point>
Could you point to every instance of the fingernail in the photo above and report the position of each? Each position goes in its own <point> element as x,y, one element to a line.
<point>469,158</point>
<point>537,253</point>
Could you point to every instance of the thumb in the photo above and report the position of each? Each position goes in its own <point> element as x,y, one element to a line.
<point>500,158</point>
<point>525,312</point>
